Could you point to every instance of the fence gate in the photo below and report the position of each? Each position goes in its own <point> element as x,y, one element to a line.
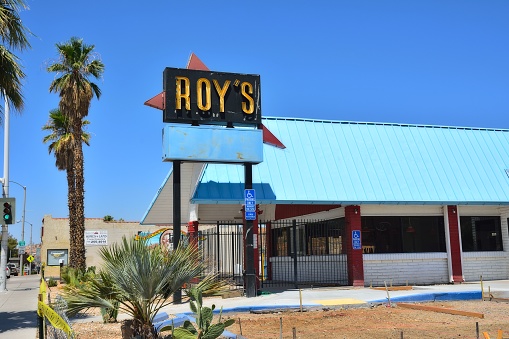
<point>222,249</point>
<point>292,253</point>
<point>297,253</point>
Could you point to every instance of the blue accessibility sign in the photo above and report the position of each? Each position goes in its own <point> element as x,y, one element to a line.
<point>356,240</point>
<point>250,204</point>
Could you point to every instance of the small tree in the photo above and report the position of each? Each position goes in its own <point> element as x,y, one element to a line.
<point>108,218</point>
<point>137,279</point>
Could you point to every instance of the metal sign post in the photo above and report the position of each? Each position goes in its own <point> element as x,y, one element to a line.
<point>250,198</point>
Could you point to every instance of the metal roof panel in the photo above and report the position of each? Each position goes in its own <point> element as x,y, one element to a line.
<point>353,162</point>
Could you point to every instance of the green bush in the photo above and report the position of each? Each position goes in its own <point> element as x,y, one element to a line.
<point>76,278</point>
<point>52,282</point>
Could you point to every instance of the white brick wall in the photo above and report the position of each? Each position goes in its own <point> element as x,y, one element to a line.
<point>491,265</point>
<point>400,268</point>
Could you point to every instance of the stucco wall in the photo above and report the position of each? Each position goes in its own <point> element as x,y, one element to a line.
<point>56,237</point>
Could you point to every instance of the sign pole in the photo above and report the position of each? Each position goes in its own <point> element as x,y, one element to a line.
<point>250,282</point>
<point>5,194</point>
<point>177,295</point>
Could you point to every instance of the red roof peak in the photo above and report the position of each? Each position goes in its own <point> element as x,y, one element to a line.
<point>195,63</point>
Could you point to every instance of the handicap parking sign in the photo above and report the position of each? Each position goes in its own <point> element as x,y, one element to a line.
<point>250,204</point>
<point>356,240</point>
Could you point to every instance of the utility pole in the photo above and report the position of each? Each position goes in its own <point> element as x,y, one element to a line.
<point>22,222</point>
<point>5,194</point>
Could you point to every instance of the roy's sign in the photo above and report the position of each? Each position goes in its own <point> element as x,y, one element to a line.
<point>206,97</point>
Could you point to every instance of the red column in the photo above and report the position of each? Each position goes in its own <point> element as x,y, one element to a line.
<point>455,239</point>
<point>192,231</point>
<point>268,249</point>
<point>354,256</point>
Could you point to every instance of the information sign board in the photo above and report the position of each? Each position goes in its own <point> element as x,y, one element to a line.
<point>96,238</point>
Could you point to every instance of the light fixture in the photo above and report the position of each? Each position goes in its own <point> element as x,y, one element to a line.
<point>355,210</point>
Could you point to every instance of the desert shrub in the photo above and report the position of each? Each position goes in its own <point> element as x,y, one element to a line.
<point>52,282</point>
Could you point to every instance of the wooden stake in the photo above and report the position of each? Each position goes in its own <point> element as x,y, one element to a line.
<point>388,296</point>
<point>294,333</point>
<point>477,329</point>
<point>395,288</point>
<point>441,310</point>
<point>281,328</point>
<point>487,336</point>
<point>482,290</point>
<point>240,325</point>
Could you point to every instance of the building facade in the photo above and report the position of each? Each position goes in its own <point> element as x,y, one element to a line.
<point>392,203</point>
<point>98,234</point>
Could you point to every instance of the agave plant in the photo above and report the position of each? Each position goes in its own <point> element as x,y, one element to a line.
<point>204,329</point>
<point>137,279</point>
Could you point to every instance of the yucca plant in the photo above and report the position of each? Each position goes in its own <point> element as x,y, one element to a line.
<point>141,279</point>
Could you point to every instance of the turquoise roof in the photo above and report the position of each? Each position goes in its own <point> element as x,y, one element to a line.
<point>336,162</point>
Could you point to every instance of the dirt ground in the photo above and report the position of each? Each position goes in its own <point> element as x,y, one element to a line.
<point>360,323</point>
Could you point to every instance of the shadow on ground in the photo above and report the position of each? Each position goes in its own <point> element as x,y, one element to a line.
<point>17,320</point>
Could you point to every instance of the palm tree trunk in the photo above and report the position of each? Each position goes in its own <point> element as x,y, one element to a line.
<point>71,187</point>
<point>79,212</point>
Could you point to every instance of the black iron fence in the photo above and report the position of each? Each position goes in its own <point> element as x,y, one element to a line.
<point>222,248</point>
<point>291,253</point>
<point>302,253</point>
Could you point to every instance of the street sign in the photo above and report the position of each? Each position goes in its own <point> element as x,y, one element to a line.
<point>21,243</point>
<point>250,204</point>
<point>30,258</point>
<point>356,240</point>
<point>21,249</point>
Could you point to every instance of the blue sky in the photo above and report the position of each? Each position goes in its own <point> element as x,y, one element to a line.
<point>419,62</point>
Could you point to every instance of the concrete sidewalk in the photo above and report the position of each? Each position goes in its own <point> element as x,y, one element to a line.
<point>334,297</point>
<point>18,307</point>
<point>350,297</point>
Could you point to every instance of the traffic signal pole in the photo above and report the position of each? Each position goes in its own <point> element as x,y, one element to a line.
<point>5,194</point>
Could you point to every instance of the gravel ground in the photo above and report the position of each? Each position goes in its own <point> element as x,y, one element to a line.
<point>359,323</point>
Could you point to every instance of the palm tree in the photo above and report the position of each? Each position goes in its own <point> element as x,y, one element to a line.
<point>13,35</point>
<point>140,279</point>
<point>61,143</point>
<point>76,65</point>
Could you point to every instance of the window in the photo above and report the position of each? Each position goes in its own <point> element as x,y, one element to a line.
<point>480,233</point>
<point>312,237</point>
<point>395,234</point>
<point>325,237</point>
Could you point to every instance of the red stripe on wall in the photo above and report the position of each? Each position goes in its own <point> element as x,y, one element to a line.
<point>355,261</point>
<point>454,236</point>
<point>293,210</point>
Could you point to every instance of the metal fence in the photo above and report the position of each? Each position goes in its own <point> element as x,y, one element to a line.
<point>291,253</point>
<point>222,248</point>
<point>297,253</point>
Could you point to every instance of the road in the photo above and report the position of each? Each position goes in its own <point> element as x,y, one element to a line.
<point>18,307</point>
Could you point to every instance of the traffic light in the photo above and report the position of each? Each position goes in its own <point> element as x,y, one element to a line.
<point>8,205</point>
